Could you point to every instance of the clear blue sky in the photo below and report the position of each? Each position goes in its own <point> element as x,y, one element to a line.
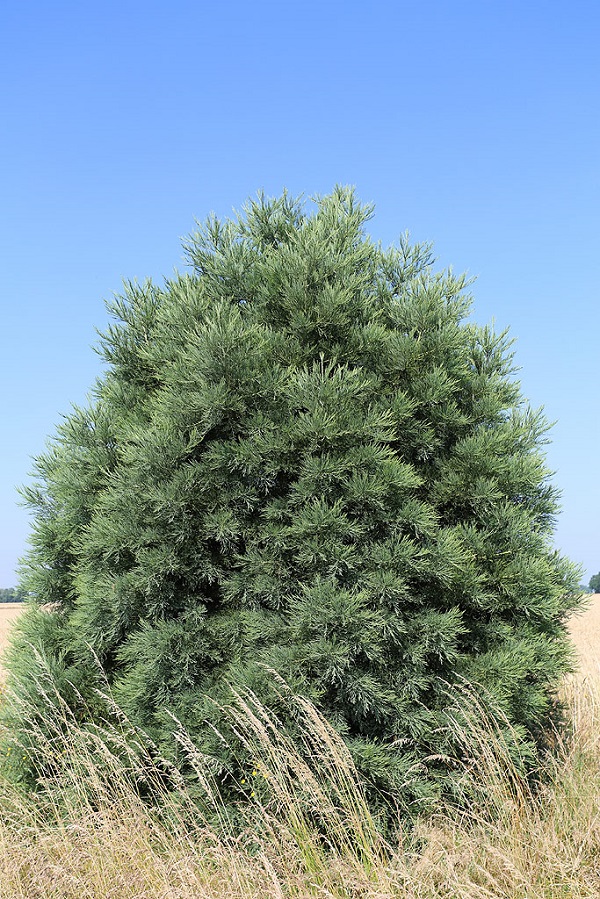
<point>472,124</point>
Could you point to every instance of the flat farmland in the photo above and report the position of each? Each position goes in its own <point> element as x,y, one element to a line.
<point>9,612</point>
<point>585,631</point>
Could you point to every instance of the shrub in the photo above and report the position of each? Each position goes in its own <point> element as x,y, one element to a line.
<point>301,459</point>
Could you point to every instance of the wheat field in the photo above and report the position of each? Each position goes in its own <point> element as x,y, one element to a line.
<point>585,631</point>
<point>9,612</point>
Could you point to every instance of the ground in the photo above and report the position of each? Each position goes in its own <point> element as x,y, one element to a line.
<point>9,611</point>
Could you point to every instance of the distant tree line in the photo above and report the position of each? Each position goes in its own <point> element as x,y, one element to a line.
<point>594,586</point>
<point>12,594</point>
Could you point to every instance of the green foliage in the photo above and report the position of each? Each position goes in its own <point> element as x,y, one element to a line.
<point>595,583</point>
<point>12,594</point>
<point>302,458</point>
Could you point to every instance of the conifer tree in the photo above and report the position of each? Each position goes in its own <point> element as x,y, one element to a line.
<point>302,458</point>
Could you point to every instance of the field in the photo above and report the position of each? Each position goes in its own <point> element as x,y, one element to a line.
<point>96,838</point>
<point>9,611</point>
<point>585,630</point>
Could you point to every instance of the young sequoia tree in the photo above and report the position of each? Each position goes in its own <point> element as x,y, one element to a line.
<point>301,458</point>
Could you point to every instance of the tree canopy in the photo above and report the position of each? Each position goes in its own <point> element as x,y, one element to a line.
<point>302,458</point>
<point>12,594</point>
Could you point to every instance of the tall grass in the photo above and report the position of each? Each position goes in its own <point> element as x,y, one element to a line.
<point>306,830</point>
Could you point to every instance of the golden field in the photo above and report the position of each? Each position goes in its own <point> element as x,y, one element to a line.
<point>90,835</point>
<point>585,630</point>
<point>9,612</point>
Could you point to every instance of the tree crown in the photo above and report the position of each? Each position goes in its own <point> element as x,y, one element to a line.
<point>302,458</point>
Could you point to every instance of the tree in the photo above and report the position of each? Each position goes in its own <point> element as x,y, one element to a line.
<point>11,594</point>
<point>595,583</point>
<point>302,458</point>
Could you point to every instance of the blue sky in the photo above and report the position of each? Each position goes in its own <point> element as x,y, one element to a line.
<point>472,124</point>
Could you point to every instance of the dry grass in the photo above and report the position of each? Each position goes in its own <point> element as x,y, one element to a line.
<point>89,834</point>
